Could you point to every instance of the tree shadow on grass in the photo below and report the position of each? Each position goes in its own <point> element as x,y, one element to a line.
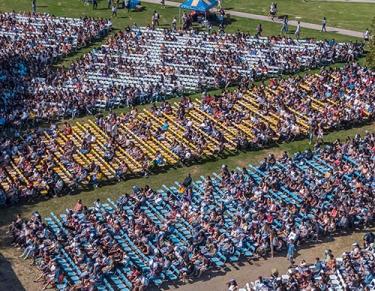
<point>8,279</point>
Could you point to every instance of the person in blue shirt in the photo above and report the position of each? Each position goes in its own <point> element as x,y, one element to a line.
<point>318,265</point>
<point>165,126</point>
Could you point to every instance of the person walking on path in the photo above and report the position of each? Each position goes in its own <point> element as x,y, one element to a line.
<point>284,27</point>
<point>366,35</point>
<point>273,10</point>
<point>297,33</point>
<point>162,2</point>
<point>324,24</point>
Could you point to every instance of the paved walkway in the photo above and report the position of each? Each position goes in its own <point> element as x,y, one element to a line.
<point>348,1</point>
<point>266,18</point>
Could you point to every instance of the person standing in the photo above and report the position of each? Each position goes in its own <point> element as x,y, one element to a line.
<point>311,130</point>
<point>324,24</point>
<point>109,4</point>
<point>94,4</point>
<point>33,6</point>
<point>291,251</point>
<point>284,27</point>
<point>259,30</point>
<point>153,21</point>
<point>156,18</point>
<point>273,10</point>
<point>222,16</point>
<point>320,134</point>
<point>297,33</point>
<point>311,134</point>
<point>174,24</point>
<point>221,30</point>
<point>162,2</point>
<point>128,5</point>
<point>366,35</point>
<point>273,241</point>
<point>114,9</point>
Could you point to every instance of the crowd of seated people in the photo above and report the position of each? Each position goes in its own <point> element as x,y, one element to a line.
<point>354,270</point>
<point>182,231</point>
<point>66,159</point>
<point>141,65</point>
<point>29,43</point>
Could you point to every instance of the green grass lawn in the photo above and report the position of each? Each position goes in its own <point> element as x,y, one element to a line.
<point>354,16</point>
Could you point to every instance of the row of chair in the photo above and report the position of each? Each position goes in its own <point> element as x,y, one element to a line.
<point>158,211</point>
<point>202,143</point>
<point>188,54</point>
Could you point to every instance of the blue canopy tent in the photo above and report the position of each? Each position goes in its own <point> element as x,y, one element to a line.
<point>198,5</point>
<point>133,3</point>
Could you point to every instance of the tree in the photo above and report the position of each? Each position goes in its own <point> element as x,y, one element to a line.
<point>370,57</point>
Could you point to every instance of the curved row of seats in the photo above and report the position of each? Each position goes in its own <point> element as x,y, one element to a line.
<point>203,224</point>
<point>159,62</point>
<point>116,147</point>
<point>29,44</point>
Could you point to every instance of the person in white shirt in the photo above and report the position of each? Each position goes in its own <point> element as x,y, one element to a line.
<point>324,24</point>
<point>297,33</point>
<point>174,24</point>
<point>366,35</point>
<point>273,10</point>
